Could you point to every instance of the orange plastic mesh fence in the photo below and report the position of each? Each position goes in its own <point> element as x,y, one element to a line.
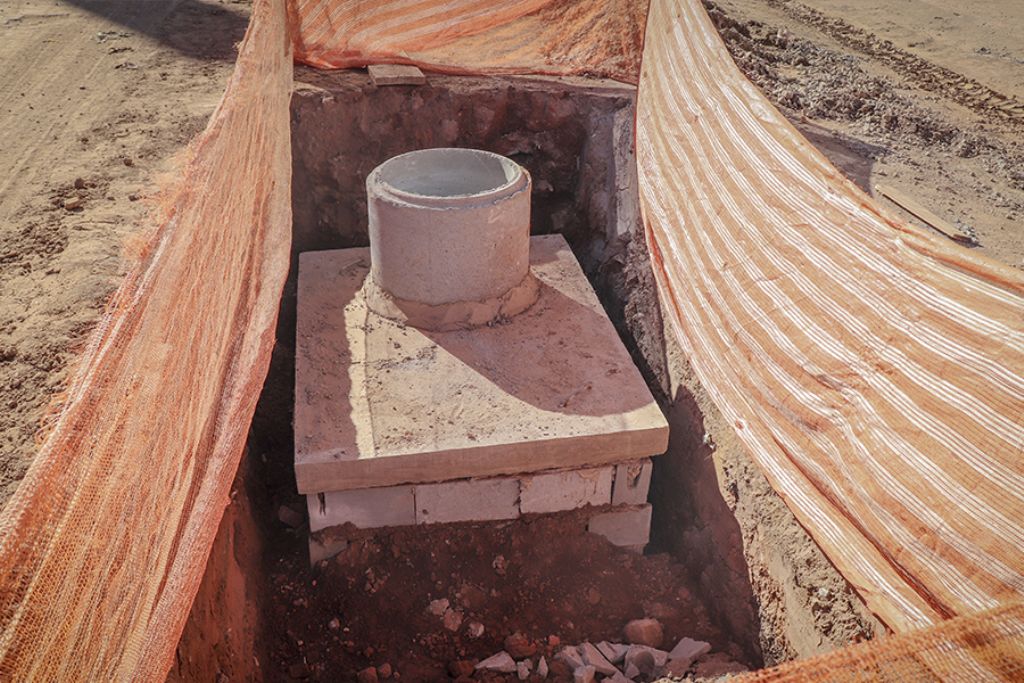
<point>988,646</point>
<point>103,546</point>
<point>561,37</point>
<point>874,372</point>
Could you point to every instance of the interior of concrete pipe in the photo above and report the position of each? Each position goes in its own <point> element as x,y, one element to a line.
<point>726,564</point>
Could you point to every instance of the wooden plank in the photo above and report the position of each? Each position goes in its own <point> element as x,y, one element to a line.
<point>396,74</point>
<point>914,208</point>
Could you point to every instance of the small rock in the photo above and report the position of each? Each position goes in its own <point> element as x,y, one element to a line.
<point>128,161</point>
<point>542,668</point>
<point>593,657</point>
<point>289,517</point>
<point>475,629</point>
<point>519,646</point>
<point>644,632</point>
<point>570,656</point>
<point>334,624</point>
<point>460,668</point>
<point>501,662</point>
<point>584,674</point>
<point>384,670</point>
<point>73,203</point>
<point>644,659</point>
<point>438,607</point>
<point>367,675</point>
<point>523,669</point>
<point>452,620</point>
<point>593,596</point>
<point>554,641</point>
<point>613,652</point>
<point>500,565</point>
<point>134,197</point>
<point>79,183</point>
<point>686,652</point>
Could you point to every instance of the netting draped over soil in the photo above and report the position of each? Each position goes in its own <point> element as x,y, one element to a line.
<point>876,374</point>
<point>105,542</point>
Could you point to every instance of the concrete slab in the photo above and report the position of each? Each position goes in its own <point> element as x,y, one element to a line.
<point>565,490</point>
<point>396,74</point>
<point>474,500</point>
<point>378,403</point>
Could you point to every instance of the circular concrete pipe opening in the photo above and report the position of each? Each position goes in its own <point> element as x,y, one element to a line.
<point>449,238</point>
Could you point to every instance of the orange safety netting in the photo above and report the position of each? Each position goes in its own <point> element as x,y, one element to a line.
<point>559,37</point>
<point>876,374</point>
<point>103,546</point>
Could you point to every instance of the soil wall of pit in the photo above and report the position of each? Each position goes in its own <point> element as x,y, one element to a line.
<point>762,578</point>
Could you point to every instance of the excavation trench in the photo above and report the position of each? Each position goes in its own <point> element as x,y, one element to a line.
<point>727,563</point>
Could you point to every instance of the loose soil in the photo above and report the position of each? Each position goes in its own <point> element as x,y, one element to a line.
<point>545,578</point>
<point>96,98</point>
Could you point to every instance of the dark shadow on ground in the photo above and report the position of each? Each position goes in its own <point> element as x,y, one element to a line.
<point>196,29</point>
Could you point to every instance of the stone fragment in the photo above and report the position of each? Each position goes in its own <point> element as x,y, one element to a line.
<point>438,607</point>
<point>565,490</point>
<point>584,674</point>
<point>632,481</point>
<point>519,646</point>
<point>686,652</point>
<point>501,662</point>
<point>289,517</point>
<point>593,657</point>
<point>644,659</point>
<point>384,670</point>
<point>475,629</point>
<point>542,668</point>
<point>73,203</point>
<point>367,675</point>
<point>471,500</point>
<point>571,656</point>
<point>395,74</point>
<point>334,624</point>
<point>613,652</point>
<point>631,671</point>
<point>628,526</point>
<point>523,669</point>
<point>647,632</point>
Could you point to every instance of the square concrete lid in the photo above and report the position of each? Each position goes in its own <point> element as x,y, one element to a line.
<point>379,403</point>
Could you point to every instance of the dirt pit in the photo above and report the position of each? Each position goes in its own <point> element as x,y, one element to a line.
<point>727,564</point>
<point>414,599</point>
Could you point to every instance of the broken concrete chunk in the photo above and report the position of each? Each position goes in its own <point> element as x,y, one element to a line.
<point>396,74</point>
<point>645,659</point>
<point>501,662</point>
<point>647,632</point>
<point>593,657</point>
<point>613,652</point>
<point>571,657</point>
<point>686,652</point>
<point>523,669</point>
<point>542,668</point>
<point>584,674</point>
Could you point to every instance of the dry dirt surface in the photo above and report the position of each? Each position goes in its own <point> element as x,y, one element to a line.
<point>924,96</point>
<point>409,600</point>
<point>96,99</point>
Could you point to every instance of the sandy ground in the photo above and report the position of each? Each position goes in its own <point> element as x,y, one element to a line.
<point>96,98</point>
